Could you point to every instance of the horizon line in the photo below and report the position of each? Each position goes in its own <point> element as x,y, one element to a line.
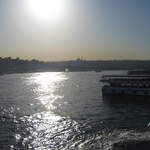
<point>76,59</point>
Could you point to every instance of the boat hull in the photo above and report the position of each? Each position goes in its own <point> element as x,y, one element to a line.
<point>108,90</point>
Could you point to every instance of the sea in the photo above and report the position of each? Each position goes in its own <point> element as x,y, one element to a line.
<point>63,111</point>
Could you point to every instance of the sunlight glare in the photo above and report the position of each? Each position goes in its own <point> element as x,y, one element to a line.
<point>47,9</point>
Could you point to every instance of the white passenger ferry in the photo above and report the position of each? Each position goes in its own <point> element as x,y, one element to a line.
<point>126,85</point>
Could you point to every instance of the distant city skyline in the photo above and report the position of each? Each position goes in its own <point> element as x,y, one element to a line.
<point>68,29</point>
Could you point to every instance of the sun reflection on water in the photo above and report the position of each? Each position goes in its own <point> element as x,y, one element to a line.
<point>48,131</point>
<point>45,129</point>
<point>47,87</point>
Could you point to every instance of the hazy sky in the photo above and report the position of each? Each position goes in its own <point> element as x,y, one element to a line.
<point>94,29</point>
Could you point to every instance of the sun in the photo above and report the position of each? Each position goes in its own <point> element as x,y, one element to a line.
<point>47,9</point>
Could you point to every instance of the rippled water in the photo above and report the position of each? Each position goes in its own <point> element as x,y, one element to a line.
<point>46,111</point>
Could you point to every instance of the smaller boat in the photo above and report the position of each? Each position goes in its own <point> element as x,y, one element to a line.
<point>66,70</point>
<point>136,85</point>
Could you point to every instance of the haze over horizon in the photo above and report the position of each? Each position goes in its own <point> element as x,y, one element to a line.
<point>67,29</point>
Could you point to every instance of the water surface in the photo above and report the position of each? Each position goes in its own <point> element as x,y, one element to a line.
<point>62,111</point>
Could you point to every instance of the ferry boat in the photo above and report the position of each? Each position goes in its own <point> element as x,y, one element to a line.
<point>126,85</point>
